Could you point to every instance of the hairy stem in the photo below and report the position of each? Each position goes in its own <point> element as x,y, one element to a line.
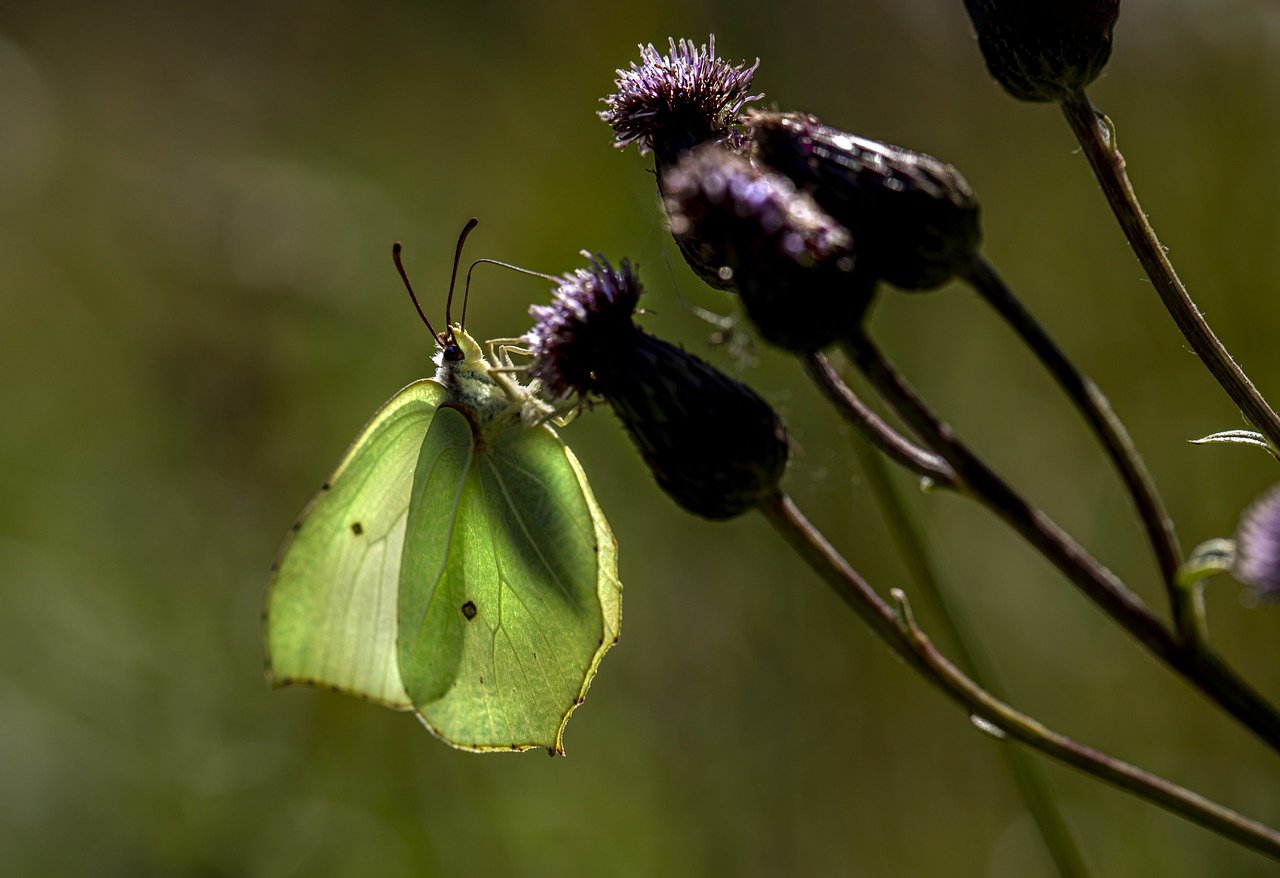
<point>1096,409</point>
<point>973,659</point>
<point>1097,139</point>
<point>1192,660</point>
<point>899,630</point>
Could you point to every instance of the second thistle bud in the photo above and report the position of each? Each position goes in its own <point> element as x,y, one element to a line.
<point>712,443</point>
<point>751,232</point>
<point>914,217</point>
<point>1044,50</point>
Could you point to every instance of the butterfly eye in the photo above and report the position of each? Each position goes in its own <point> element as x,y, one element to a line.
<point>453,352</point>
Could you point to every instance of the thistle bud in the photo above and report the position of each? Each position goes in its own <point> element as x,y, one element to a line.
<point>668,104</point>
<point>750,231</point>
<point>914,217</point>
<point>1257,561</point>
<point>713,445</point>
<point>1044,50</point>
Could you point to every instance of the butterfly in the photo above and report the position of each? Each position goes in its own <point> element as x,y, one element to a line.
<point>455,563</point>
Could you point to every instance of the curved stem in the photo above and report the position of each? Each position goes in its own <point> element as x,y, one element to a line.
<point>1192,660</point>
<point>1096,409</point>
<point>899,630</point>
<point>974,660</point>
<point>1109,168</point>
<point>923,463</point>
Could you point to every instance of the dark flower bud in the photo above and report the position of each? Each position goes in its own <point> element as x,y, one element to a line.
<point>713,445</point>
<point>1257,561</point>
<point>667,104</point>
<point>914,217</point>
<point>751,232</point>
<point>1044,50</point>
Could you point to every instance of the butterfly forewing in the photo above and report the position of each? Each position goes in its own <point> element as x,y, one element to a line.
<point>331,605</point>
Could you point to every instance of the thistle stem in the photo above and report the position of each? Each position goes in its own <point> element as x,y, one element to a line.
<point>1110,431</point>
<point>876,430</point>
<point>973,659</point>
<point>1109,168</point>
<point>898,630</point>
<point>1192,660</point>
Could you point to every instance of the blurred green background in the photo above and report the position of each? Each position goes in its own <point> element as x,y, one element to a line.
<point>199,310</point>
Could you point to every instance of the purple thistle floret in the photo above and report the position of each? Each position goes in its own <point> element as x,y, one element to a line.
<point>1258,546</point>
<point>590,316</point>
<point>671,103</point>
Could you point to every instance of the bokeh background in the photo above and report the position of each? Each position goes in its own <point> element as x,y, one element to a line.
<point>199,310</point>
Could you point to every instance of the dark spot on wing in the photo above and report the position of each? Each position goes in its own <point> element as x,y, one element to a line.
<point>324,487</point>
<point>357,528</point>
<point>469,610</point>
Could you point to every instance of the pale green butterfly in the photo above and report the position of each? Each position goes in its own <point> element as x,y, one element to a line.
<point>456,563</point>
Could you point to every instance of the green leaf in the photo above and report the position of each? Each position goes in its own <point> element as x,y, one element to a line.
<point>1207,559</point>
<point>1238,437</point>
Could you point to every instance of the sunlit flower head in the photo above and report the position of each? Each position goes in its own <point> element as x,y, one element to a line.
<point>667,104</point>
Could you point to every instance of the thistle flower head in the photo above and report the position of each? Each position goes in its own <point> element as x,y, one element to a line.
<point>589,318</point>
<point>1047,49</point>
<point>667,104</point>
<point>914,217</point>
<point>752,232</point>
<point>712,444</point>
<point>1258,545</point>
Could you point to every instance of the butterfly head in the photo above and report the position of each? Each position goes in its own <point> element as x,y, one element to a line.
<point>451,349</point>
<point>455,348</point>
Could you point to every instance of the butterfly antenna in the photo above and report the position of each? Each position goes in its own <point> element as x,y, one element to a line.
<point>457,257</point>
<point>466,290</point>
<point>404,276</point>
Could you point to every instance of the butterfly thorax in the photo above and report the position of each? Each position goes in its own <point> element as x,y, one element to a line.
<point>472,388</point>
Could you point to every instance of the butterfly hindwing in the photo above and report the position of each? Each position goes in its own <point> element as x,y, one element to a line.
<point>503,622</point>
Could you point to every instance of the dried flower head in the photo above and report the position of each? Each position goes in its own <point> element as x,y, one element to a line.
<point>588,320</point>
<point>1257,560</point>
<point>752,232</point>
<point>914,217</point>
<point>1044,50</point>
<point>667,104</point>
<point>713,445</point>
